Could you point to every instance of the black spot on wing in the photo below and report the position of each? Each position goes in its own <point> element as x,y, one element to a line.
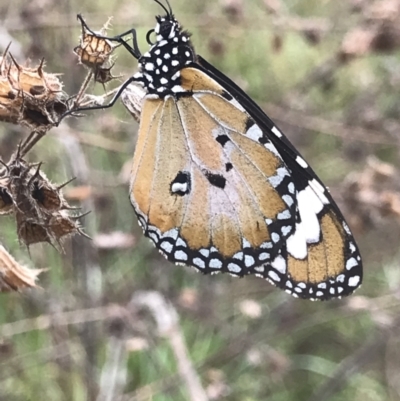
<point>222,139</point>
<point>249,123</point>
<point>215,179</point>
<point>228,167</point>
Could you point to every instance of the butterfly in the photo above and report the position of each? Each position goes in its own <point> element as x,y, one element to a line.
<point>215,183</point>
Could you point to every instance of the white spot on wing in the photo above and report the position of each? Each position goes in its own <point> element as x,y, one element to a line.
<point>173,233</point>
<point>166,246</point>
<point>271,147</point>
<point>276,132</point>
<point>284,215</point>
<point>274,276</point>
<point>346,228</point>
<point>215,264</point>
<point>199,263</point>
<point>180,255</point>
<point>281,173</point>
<point>179,187</point>
<point>279,264</point>
<point>205,252</point>
<point>180,242</point>
<point>275,237</point>
<point>249,260</point>
<point>288,200</point>
<point>296,244</point>
<point>177,88</point>
<point>308,231</point>
<point>234,268</point>
<point>351,263</point>
<point>254,132</point>
<point>354,281</point>
<point>301,162</point>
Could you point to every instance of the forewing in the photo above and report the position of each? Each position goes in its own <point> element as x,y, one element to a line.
<point>205,190</point>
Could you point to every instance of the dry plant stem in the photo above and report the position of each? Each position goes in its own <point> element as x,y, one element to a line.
<point>167,321</point>
<point>32,139</point>
<point>83,88</point>
<point>85,262</point>
<point>114,374</point>
<point>44,322</point>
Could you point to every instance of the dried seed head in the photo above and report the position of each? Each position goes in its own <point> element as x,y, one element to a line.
<point>95,53</point>
<point>39,207</point>
<point>29,96</point>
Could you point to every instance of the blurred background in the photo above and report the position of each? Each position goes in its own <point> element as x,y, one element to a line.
<point>113,320</point>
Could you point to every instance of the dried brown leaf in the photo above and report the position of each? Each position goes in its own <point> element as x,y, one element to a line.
<point>13,276</point>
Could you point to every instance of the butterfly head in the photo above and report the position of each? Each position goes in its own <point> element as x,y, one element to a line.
<point>159,68</point>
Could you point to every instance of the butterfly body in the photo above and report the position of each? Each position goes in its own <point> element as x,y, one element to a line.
<point>216,185</point>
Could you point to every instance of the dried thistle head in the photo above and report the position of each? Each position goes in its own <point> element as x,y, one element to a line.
<point>95,53</point>
<point>29,96</point>
<point>39,207</point>
<point>47,196</point>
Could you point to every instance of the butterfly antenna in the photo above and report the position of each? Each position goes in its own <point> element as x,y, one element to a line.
<point>169,6</point>
<point>169,14</point>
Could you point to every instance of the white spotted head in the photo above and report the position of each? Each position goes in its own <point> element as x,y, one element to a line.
<point>169,53</point>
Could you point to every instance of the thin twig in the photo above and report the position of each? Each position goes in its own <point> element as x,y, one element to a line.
<point>167,321</point>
